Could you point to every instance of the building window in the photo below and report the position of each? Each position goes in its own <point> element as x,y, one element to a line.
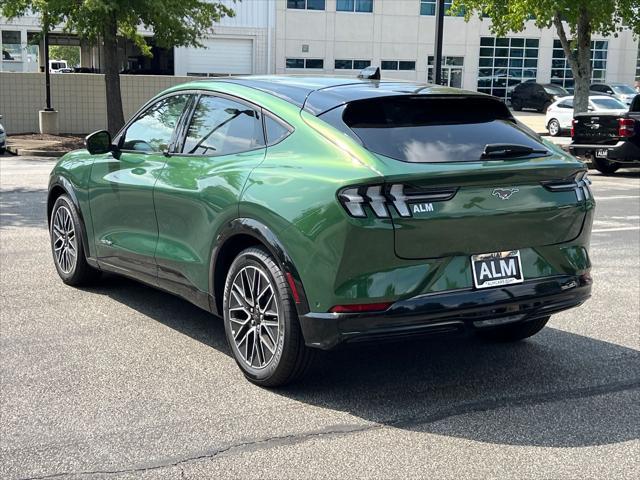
<point>352,64</point>
<point>354,6</point>
<point>428,7</point>
<point>11,45</point>
<point>397,65</point>
<point>561,73</point>
<point>505,62</point>
<point>306,4</point>
<point>452,70</point>
<point>316,63</point>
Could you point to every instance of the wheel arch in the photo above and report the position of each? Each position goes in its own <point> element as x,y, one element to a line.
<point>59,186</point>
<point>242,233</point>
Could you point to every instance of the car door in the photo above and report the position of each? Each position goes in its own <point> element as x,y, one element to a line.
<point>199,188</point>
<point>121,189</point>
<point>565,113</point>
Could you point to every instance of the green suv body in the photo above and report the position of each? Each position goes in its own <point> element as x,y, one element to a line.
<point>314,211</point>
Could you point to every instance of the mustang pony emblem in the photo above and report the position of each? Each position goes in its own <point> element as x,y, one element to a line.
<point>504,193</point>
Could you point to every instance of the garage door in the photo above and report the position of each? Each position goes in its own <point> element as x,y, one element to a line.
<point>222,56</point>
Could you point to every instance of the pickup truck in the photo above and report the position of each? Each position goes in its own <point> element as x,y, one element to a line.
<point>610,141</point>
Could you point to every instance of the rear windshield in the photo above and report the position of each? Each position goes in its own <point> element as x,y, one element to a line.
<point>608,104</point>
<point>441,129</point>
<point>553,90</point>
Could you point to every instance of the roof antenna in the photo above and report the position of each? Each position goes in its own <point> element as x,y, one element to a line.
<point>370,73</point>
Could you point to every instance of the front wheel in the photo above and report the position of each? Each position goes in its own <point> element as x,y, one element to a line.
<point>514,332</point>
<point>66,244</point>
<point>604,166</point>
<point>261,321</point>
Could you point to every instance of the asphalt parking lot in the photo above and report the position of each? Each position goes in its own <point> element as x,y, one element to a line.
<point>122,381</point>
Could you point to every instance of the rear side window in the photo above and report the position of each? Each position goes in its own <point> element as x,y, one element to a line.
<point>275,130</point>
<point>608,104</point>
<point>434,129</point>
<point>220,126</point>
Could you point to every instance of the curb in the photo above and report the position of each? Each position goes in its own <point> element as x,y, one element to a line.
<point>25,152</point>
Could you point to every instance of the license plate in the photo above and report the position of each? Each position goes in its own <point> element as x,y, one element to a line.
<point>496,269</point>
<point>602,153</point>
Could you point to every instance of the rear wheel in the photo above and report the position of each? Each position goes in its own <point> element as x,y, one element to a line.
<point>554,127</point>
<point>605,166</point>
<point>516,105</point>
<point>514,332</point>
<point>545,107</point>
<point>261,321</point>
<point>66,244</point>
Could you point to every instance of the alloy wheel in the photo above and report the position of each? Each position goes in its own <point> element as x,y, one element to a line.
<point>254,316</point>
<point>65,242</point>
<point>554,128</point>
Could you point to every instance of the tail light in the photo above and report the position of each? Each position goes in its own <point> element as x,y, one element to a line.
<point>380,198</point>
<point>573,127</point>
<point>361,307</point>
<point>626,127</point>
<point>579,183</point>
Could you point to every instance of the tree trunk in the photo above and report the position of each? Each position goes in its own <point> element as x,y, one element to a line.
<point>580,59</point>
<point>115,117</point>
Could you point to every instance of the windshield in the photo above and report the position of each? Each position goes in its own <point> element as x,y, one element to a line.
<point>553,90</point>
<point>608,104</point>
<point>437,129</point>
<point>623,89</point>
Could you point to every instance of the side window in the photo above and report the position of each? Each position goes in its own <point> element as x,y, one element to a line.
<point>566,104</point>
<point>276,131</point>
<point>222,127</point>
<point>153,130</point>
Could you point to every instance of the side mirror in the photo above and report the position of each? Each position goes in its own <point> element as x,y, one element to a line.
<point>98,142</point>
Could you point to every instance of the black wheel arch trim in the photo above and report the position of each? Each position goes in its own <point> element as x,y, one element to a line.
<point>264,235</point>
<point>58,181</point>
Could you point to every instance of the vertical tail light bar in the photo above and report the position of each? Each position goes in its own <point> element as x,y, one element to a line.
<point>626,127</point>
<point>380,198</point>
<point>573,127</point>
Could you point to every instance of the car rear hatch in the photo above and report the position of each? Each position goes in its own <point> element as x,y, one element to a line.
<point>461,177</point>
<point>596,129</point>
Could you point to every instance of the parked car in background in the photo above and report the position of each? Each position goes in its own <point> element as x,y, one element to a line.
<point>623,92</point>
<point>3,138</point>
<point>536,96</point>
<point>56,66</point>
<point>560,113</point>
<point>314,211</point>
<point>609,140</point>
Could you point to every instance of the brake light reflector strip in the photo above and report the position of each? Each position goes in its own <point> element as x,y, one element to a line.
<point>361,307</point>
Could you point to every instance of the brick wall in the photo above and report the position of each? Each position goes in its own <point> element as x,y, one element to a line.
<point>80,99</point>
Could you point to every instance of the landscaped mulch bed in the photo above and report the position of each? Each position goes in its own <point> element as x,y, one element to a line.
<point>57,143</point>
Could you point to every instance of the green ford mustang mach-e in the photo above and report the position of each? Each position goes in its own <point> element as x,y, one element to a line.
<point>310,212</point>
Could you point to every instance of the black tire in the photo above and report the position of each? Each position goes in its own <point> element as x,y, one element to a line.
<point>516,105</point>
<point>2,150</point>
<point>77,271</point>
<point>554,128</point>
<point>514,332</point>
<point>545,107</point>
<point>290,358</point>
<point>604,166</point>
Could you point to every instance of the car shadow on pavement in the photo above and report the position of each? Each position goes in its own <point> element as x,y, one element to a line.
<point>557,389</point>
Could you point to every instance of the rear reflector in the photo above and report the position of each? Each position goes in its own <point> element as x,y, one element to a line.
<point>626,127</point>
<point>292,286</point>
<point>361,307</point>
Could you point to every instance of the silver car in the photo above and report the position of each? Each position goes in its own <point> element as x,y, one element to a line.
<point>621,91</point>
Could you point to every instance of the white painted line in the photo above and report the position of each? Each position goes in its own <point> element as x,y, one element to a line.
<point>618,229</point>
<point>617,197</point>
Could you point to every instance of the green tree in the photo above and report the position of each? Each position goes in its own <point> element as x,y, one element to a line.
<point>174,23</point>
<point>65,52</point>
<point>575,21</point>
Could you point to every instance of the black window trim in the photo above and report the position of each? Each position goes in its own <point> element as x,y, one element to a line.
<point>117,140</point>
<point>267,113</point>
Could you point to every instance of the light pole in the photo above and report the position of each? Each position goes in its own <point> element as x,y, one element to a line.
<point>437,57</point>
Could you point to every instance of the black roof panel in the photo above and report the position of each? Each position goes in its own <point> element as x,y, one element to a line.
<point>320,94</point>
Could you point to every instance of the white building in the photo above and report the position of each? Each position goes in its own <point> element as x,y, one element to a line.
<point>343,36</point>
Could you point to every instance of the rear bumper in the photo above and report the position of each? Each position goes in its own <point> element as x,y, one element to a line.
<point>621,152</point>
<point>457,311</point>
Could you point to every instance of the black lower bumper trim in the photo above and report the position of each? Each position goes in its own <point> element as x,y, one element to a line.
<point>448,312</point>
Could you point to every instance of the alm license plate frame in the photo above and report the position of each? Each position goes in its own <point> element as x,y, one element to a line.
<point>497,269</point>
<point>602,153</point>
